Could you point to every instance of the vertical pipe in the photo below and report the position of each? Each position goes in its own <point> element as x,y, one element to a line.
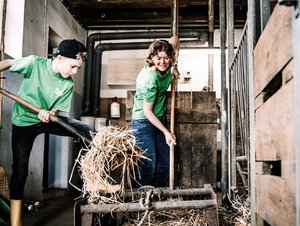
<point>210,82</point>
<point>210,44</point>
<point>224,179</point>
<point>173,90</point>
<point>296,54</point>
<point>251,40</point>
<point>264,13</point>
<point>232,96</point>
<point>230,30</point>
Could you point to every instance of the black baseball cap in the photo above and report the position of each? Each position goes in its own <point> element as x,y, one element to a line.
<point>70,48</point>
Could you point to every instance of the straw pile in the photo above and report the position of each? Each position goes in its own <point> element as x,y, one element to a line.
<point>237,212</point>
<point>187,217</point>
<point>190,217</point>
<point>109,165</point>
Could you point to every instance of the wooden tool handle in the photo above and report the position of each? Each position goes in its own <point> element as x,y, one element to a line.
<point>53,118</point>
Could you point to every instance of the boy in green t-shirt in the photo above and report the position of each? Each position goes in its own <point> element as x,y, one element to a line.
<point>48,84</point>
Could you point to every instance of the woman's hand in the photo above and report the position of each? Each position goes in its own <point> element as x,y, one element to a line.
<point>170,139</point>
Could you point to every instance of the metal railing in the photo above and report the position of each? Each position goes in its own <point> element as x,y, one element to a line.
<point>238,109</point>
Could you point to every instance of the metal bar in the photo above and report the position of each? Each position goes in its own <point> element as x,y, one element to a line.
<point>252,38</point>
<point>264,13</point>
<point>145,27</point>
<point>296,55</point>
<point>242,174</point>
<point>136,207</point>
<point>232,95</point>
<point>244,96</point>
<point>175,192</point>
<point>239,103</point>
<point>210,82</point>
<point>211,26</point>
<point>230,30</point>
<point>239,71</point>
<point>241,158</point>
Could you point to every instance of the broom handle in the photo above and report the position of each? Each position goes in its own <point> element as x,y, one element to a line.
<point>173,89</point>
<point>53,118</point>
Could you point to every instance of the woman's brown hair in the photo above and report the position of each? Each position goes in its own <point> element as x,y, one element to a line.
<point>158,46</point>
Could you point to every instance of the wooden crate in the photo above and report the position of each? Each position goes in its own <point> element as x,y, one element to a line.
<point>275,122</point>
<point>196,134</point>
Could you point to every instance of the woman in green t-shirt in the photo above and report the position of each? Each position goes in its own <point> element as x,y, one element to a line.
<point>149,108</point>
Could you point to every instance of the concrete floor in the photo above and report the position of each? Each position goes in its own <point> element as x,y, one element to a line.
<point>52,212</point>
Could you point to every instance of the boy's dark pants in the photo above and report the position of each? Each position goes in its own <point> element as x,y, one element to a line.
<point>22,142</point>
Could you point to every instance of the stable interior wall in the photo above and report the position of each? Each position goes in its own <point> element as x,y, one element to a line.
<point>120,68</point>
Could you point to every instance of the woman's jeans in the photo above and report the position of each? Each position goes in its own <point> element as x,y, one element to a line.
<point>22,142</point>
<point>150,139</point>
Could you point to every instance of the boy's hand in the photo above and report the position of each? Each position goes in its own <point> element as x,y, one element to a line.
<point>44,116</point>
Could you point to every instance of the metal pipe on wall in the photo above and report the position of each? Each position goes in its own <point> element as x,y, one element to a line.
<point>252,38</point>
<point>231,98</point>
<point>98,66</point>
<point>211,28</point>
<point>296,54</point>
<point>145,27</point>
<point>100,48</point>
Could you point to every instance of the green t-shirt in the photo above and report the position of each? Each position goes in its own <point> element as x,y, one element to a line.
<point>152,87</point>
<point>42,87</point>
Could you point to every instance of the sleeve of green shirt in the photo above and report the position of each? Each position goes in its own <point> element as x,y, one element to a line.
<point>150,89</point>
<point>23,66</point>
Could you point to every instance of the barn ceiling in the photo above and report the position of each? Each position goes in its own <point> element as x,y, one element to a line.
<point>137,14</point>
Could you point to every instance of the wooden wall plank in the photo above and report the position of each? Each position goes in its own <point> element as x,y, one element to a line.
<point>273,49</point>
<point>183,155</point>
<point>204,155</point>
<point>275,201</point>
<point>269,191</point>
<point>196,134</point>
<point>275,129</point>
